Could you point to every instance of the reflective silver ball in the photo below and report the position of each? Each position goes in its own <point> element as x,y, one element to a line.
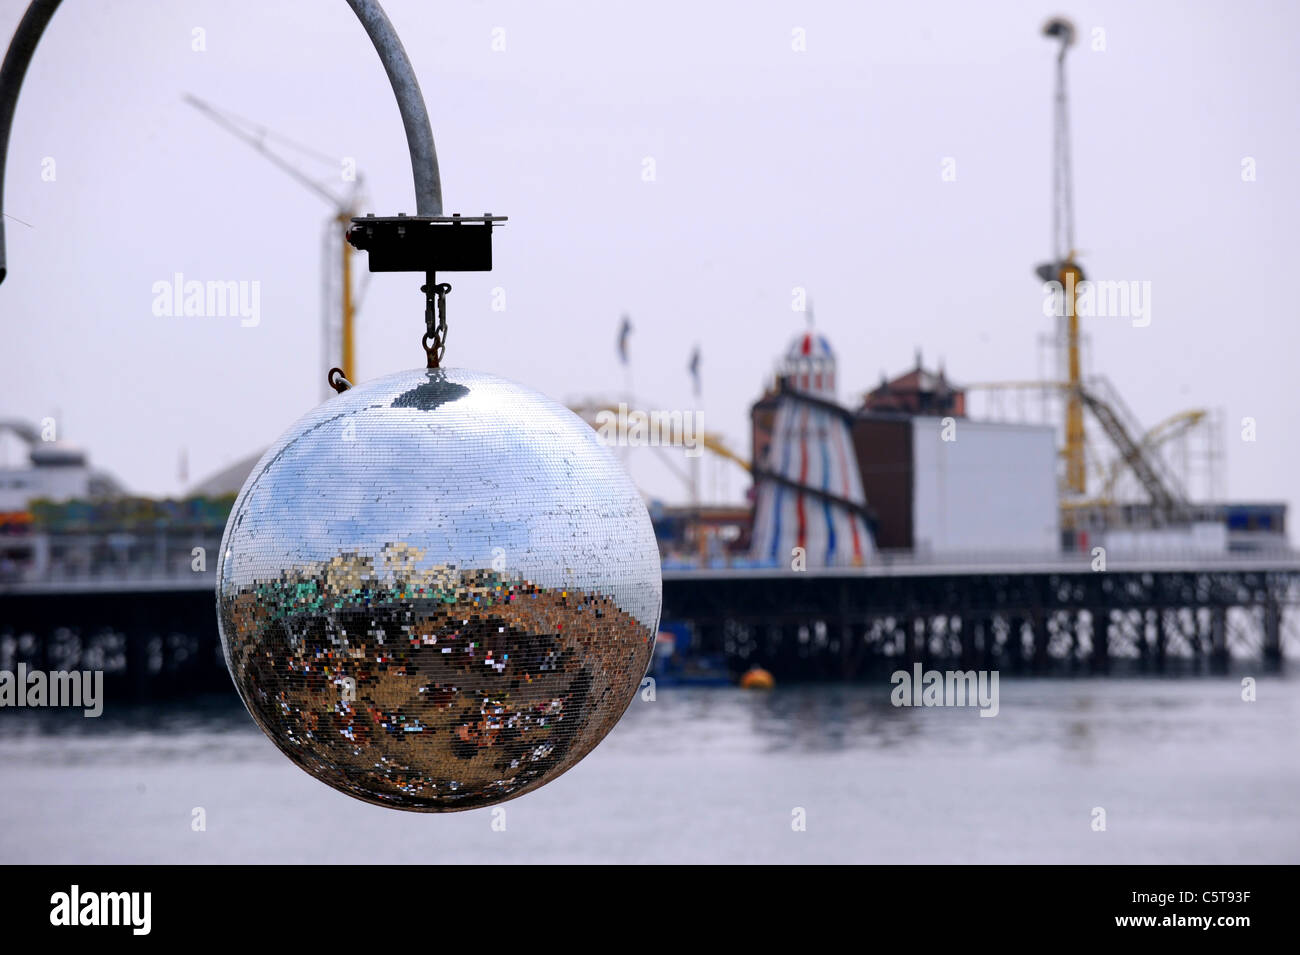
<point>438,591</point>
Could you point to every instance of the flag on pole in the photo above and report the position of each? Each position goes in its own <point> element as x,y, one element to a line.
<point>694,367</point>
<point>623,335</point>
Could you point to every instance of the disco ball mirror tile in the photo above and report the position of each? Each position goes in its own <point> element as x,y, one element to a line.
<point>438,591</point>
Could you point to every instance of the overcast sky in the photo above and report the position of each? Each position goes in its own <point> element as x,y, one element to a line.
<point>774,169</point>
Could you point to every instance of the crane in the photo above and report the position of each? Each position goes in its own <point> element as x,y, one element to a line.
<point>1137,452</point>
<point>344,204</point>
<point>1063,267</point>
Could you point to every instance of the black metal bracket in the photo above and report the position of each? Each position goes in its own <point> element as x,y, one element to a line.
<point>427,244</point>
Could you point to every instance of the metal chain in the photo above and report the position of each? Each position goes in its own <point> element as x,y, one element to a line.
<point>435,321</point>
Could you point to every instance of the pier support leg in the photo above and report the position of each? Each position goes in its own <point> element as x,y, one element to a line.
<point>1015,644</point>
<point>1038,622</point>
<point>1144,640</point>
<point>916,642</point>
<point>1218,640</point>
<point>1272,636</point>
<point>846,634</point>
<point>966,641</point>
<point>1100,658</point>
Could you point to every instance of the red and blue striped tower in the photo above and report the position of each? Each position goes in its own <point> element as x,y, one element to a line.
<point>809,490</point>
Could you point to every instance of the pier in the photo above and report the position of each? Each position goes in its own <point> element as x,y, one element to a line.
<point>155,635</point>
<point>1019,615</point>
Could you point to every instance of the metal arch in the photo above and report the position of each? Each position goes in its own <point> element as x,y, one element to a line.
<point>406,88</point>
<point>1172,427</point>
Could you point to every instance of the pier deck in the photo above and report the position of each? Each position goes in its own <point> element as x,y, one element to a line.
<point>156,635</point>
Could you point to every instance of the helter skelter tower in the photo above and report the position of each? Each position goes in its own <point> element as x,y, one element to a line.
<point>809,489</point>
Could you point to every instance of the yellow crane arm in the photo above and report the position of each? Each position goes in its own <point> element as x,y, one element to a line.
<point>712,441</point>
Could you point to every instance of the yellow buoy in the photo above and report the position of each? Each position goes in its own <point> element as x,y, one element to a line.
<point>756,678</point>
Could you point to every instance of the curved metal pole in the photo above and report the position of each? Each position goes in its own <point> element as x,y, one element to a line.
<point>410,101</point>
<point>12,71</point>
<point>415,118</point>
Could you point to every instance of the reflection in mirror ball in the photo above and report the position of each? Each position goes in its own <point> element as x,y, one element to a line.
<point>438,590</point>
